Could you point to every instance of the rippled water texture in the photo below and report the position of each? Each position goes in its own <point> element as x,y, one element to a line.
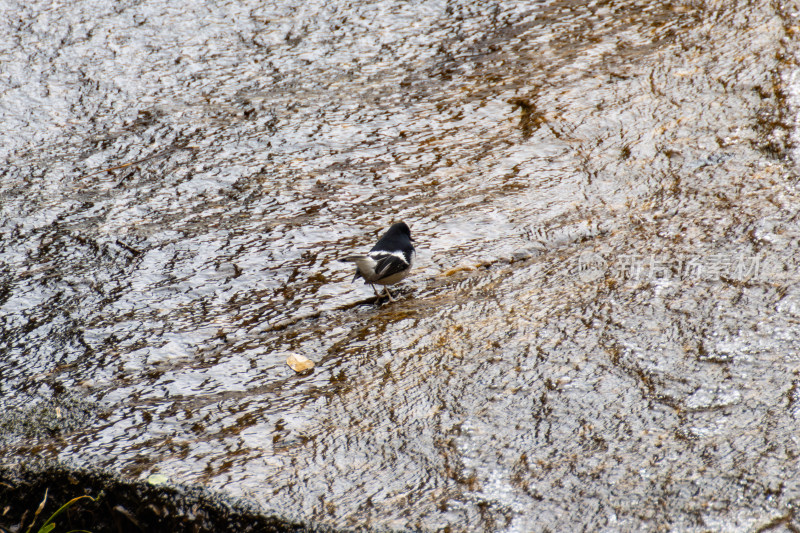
<point>603,328</point>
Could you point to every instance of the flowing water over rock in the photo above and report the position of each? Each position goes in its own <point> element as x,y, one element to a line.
<point>602,332</point>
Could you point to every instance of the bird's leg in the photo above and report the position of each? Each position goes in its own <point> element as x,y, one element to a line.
<point>376,290</point>
<point>389,294</point>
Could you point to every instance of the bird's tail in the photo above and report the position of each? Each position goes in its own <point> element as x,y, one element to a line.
<point>353,258</point>
<point>357,259</point>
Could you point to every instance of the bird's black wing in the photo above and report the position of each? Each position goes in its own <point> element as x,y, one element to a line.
<point>387,264</point>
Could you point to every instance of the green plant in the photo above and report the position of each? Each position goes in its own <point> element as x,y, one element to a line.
<point>50,524</point>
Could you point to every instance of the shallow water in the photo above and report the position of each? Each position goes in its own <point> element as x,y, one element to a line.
<point>602,329</point>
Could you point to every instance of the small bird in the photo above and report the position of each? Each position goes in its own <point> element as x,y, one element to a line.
<point>389,261</point>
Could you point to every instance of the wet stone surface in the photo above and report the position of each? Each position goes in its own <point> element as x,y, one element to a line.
<point>602,330</point>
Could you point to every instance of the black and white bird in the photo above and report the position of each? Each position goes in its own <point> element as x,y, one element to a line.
<point>389,261</point>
